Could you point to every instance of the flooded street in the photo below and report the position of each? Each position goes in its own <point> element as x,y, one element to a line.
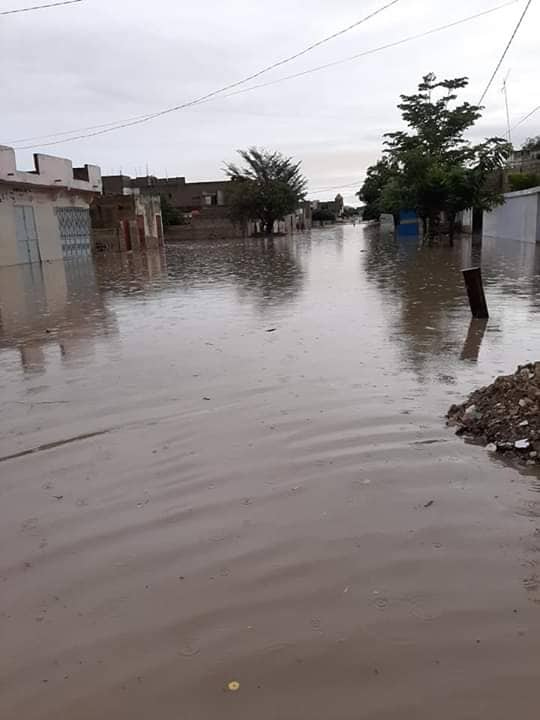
<point>230,463</point>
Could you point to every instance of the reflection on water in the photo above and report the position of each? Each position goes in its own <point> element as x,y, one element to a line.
<point>425,296</point>
<point>473,341</point>
<point>291,501</point>
<point>264,272</point>
<point>51,306</point>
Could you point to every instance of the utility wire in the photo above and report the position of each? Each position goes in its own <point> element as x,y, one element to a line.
<point>506,49</point>
<point>145,118</point>
<point>523,119</point>
<point>372,51</point>
<point>335,187</point>
<point>113,126</point>
<point>39,7</point>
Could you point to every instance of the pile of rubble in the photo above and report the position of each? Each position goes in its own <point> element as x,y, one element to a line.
<point>504,416</point>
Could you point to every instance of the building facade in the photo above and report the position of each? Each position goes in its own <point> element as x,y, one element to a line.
<point>126,221</point>
<point>44,213</point>
<point>334,206</point>
<point>524,161</point>
<point>181,195</point>
<point>204,206</point>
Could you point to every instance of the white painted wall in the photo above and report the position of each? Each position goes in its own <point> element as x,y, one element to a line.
<point>49,170</point>
<point>52,184</point>
<point>466,218</point>
<point>44,203</point>
<point>518,219</point>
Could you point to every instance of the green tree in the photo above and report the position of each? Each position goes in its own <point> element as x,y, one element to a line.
<point>170,214</point>
<point>322,215</point>
<point>370,193</point>
<point>267,187</point>
<point>433,168</point>
<point>523,181</point>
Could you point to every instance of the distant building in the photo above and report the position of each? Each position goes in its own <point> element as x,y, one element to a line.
<point>524,161</point>
<point>126,219</point>
<point>203,204</point>
<point>334,206</point>
<point>44,213</point>
<point>298,221</point>
<point>181,195</point>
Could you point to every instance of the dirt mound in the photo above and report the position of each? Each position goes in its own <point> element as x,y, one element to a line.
<point>505,415</point>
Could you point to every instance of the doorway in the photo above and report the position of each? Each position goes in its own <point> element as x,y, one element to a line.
<point>26,232</point>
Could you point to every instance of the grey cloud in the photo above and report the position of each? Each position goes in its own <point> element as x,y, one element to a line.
<point>103,61</point>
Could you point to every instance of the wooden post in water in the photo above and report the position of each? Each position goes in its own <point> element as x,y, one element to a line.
<point>475,291</point>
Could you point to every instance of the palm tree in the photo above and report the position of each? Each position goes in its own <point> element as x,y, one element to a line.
<point>268,187</point>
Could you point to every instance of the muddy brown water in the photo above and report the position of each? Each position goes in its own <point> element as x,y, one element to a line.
<point>188,499</point>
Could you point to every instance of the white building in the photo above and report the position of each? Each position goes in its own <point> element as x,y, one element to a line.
<point>517,219</point>
<point>44,213</point>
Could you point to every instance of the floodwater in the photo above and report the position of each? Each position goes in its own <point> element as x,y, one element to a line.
<point>230,463</point>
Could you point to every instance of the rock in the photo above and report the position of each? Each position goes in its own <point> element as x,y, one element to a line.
<point>499,415</point>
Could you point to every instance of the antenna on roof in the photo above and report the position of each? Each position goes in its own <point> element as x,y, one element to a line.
<point>504,90</point>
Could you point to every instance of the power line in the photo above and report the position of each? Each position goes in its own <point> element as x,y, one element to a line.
<point>506,49</point>
<point>335,187</point>
<point>410,38</point>
<point>523,119</point>
<point>372,51</point>
<point>145,118</point>
<point>40,7</point>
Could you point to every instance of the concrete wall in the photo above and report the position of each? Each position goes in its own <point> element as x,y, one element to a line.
<point>180,194</point>
<point>214,224</point>
<point>111,215</point>
<point>466,220</point>
<point>518,219</point>
<point>44,203</point>
<point>149,206</point>
<point>50,171</point>
<point>204,229</point>
<point>115,184</point>
<point>190,196</point>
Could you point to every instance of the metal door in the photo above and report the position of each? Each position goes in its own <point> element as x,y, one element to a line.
<point>27,238</point>
<point>74,224</point>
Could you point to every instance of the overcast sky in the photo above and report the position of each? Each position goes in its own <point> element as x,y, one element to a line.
<point>105,60</point>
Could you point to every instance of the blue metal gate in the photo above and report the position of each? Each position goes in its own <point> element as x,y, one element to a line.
<point>74,224</point>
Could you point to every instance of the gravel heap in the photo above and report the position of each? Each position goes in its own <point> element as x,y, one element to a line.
<point>504,416</point>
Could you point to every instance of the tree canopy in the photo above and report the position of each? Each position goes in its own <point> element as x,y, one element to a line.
<point>523,181</point>
<point>432,167</point>
<point>267,187</point>
<point>169,214</point>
